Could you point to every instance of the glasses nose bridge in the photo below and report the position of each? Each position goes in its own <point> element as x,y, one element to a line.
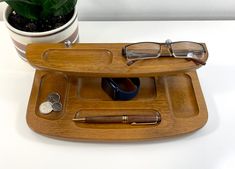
<point>166,49</point>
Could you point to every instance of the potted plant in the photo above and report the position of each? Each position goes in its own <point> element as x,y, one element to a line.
<point>35,21</point>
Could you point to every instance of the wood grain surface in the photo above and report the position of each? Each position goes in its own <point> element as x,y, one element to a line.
<point>178,98</point>
<point>102,60</point>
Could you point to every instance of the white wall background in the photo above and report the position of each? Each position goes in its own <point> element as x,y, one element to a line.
<point>154,9</point>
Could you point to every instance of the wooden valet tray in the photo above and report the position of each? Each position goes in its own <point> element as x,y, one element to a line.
<point>177,97</point>
<point>102,60</point>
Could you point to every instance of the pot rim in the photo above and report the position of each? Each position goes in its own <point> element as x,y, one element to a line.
<point>35,34</point>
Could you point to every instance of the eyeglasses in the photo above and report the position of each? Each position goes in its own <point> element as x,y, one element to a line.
<point>151,50</point>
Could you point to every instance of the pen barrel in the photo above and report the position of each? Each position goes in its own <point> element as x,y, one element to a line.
<point>142,119</point>
<point>126,119</point>
<point>104,119</point>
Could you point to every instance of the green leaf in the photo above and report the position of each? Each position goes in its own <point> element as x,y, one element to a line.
<point>35,9</point>
<point>57,7</point>
<point>25,8</point>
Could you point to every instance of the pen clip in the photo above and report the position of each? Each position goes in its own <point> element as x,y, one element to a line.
<point>136,124</point>
<point>158,120</point>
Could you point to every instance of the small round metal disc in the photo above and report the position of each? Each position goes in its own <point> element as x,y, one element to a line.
<point>53,97</point>
<point>57,106</point>
<point>45,107</point>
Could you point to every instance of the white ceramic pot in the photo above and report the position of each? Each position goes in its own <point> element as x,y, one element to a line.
<point>68,31</point>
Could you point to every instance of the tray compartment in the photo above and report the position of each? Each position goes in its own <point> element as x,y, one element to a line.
<point>52,82</point>
<point>181,95</point>
<point>71,58</point>
<point>108,112</point>
<point>90,89</point>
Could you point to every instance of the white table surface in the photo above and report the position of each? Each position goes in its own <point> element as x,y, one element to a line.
<point>212,147</point>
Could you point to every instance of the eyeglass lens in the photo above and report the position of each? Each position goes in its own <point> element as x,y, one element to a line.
<point>187,50</point>
<point>143,50</point>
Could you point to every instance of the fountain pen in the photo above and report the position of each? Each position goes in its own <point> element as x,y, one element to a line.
<point>124,119</point>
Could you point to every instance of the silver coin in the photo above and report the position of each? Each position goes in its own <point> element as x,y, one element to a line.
<point>57,106</point>
<point>45,107</point>
<point>53,97</point>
